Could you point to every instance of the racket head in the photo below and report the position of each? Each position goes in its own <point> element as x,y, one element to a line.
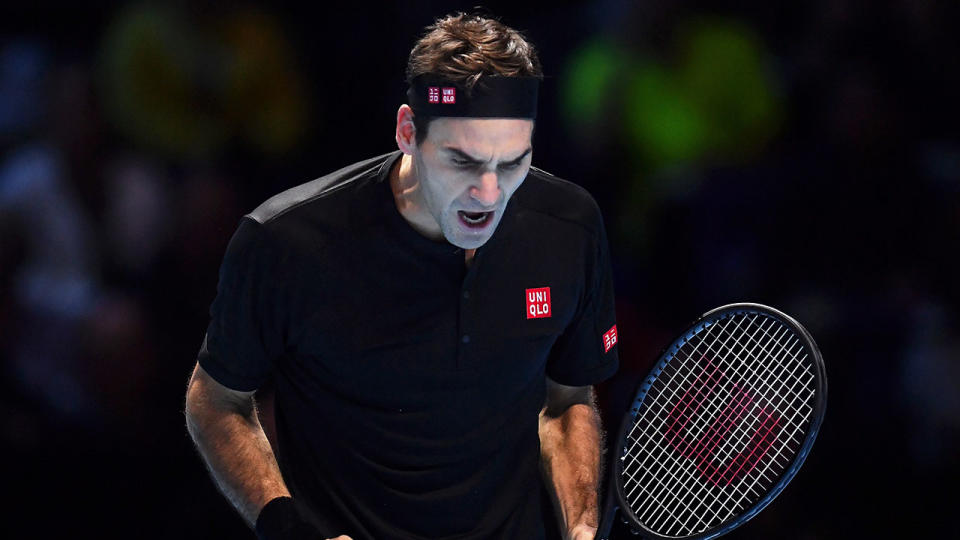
<point>772,413</point>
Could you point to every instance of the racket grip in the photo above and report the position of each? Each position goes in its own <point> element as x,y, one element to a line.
<point>610,508</point>
<point>606,522</point>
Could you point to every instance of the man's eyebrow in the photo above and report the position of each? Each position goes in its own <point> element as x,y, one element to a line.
<point>519,158</point>
<point>467,157</point>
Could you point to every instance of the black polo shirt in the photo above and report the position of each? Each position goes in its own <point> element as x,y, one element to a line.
<point>408,386</point>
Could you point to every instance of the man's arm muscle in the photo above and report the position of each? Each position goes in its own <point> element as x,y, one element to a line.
<point>224,425</point>
<point>570,447</point>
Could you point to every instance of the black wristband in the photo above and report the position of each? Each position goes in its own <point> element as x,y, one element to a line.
<point>280,520</point>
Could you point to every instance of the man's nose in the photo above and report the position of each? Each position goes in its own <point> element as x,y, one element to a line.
<point>487,190</point>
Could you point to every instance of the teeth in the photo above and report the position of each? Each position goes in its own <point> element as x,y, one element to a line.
<point>481,217</point>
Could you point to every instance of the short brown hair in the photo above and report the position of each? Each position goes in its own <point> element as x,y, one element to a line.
<point>463,48</point>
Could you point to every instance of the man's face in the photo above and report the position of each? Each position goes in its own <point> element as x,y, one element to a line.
<point>468,168</point>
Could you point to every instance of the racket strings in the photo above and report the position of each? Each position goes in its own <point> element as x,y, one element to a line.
<point>671,488</point>
<point>707,447</point>
<point>719,425</point>
<point>709,440</point>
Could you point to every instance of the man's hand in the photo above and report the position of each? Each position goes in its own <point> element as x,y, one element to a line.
<point>581,532</point>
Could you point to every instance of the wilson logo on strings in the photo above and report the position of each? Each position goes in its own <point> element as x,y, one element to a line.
<point>721,408</point>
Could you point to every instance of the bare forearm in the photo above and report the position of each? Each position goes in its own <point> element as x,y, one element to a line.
<point>570,450</point>
<point>238,455</point>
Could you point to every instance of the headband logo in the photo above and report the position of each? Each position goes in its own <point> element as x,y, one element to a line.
<point>449,96</point>
<point>493,97</point>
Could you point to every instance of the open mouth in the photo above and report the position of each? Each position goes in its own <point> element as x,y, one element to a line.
<point>474,220</point>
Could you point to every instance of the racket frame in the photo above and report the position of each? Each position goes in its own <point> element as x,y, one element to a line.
<point>707,319</point>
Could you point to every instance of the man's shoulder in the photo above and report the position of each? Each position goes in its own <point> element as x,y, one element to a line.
<point>557,198</point>
<point>320,190</point>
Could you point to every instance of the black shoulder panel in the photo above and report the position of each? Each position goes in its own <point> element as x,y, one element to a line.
<point>287,200</point>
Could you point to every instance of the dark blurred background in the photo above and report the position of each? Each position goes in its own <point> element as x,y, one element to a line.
<point>805,156</point>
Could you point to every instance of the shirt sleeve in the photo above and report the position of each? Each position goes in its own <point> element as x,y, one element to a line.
<point>244,336</point>
<point>587,353</point>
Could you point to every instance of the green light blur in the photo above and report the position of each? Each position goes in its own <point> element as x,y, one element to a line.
<point>724,76</point>
<point>662,122</point>
<point>590,75</point>
<point>714,101</point>
<point>710,101</point>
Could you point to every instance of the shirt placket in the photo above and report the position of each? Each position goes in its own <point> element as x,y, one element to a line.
<point>467,314</point>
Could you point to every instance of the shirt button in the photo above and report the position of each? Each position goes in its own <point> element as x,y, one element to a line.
<point>465,338</point>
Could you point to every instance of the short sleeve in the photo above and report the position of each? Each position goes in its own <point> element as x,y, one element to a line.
<point>587,352</point>
<point>244,336</point>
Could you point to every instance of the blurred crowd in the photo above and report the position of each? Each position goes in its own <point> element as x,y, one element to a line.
<point>803,156</point>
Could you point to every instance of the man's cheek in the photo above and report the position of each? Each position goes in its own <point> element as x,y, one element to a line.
<point>513,186</point>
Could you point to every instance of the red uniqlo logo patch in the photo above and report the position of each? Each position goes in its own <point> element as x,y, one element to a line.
<point>538,303</point>
<point>433,94</point>
<point>610,339</point>
<point>449,95</point>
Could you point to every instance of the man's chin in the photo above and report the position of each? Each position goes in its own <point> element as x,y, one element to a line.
<point>466,240</point>
<point>467,243</point>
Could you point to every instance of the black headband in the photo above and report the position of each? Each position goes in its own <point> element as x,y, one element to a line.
<point>492,97</point>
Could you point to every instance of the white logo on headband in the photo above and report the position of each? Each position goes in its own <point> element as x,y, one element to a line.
<point>449,95</point>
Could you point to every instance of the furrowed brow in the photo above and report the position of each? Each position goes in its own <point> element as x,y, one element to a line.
<point>467,157</point>
<point>519,158</point>
<point>463,155</point>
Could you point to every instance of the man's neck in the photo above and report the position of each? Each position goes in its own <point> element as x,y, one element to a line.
<point>409,202</point>
<point>408,198</point>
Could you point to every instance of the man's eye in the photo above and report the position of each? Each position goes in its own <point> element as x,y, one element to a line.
<point>509,166</point>
<point>462,163</point>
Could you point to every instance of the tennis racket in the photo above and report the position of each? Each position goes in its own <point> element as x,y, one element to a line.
<point>719,427</point>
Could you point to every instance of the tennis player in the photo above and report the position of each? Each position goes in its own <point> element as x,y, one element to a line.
<point>433,320</point>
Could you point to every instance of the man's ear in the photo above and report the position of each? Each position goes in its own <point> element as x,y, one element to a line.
<point>406,132</point>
